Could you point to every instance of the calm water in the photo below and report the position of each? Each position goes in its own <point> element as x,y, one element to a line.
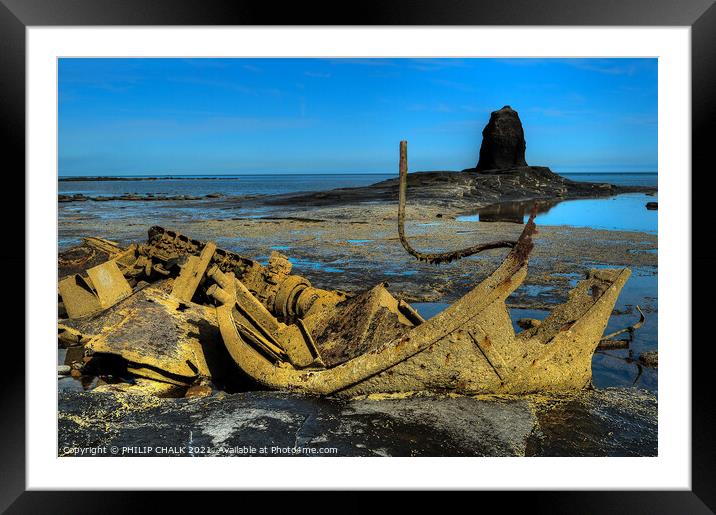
<point>236,185</point>
<point>621,179</point>
<point>625,212</point>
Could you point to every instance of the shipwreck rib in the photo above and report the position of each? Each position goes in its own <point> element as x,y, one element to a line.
<point>629,329</point>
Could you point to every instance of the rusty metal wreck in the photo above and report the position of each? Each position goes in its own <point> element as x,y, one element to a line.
<point>184,312</point>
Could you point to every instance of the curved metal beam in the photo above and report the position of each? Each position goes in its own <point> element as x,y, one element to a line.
<point>436,257</point>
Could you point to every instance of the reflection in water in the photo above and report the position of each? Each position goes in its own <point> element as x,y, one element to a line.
<point>625,212</point>
<point>514,211</point>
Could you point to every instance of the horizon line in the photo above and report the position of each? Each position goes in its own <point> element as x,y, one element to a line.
<point>189,174</point>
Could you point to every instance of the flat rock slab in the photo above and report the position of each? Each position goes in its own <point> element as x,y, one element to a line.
<point>468,189</point>
<point>612,422</point>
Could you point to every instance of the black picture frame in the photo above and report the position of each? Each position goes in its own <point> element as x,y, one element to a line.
<point>17,15</point>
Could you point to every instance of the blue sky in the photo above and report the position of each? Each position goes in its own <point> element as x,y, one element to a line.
<point>232,116</point>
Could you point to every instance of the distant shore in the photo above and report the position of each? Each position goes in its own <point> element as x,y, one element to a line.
<point>149,197</point>
<point>158,178</point>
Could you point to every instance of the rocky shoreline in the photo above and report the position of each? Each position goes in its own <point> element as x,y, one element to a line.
<point>149,197</point>
<point>466,189</point>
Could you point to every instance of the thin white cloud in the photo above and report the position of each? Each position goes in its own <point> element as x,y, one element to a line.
<point>442,107</point>
<point>200,62</point>
<point>362,61</point>
<point>224,84</point>
<point>609,67</point>
<point>317,75</point>
<point>460,86</point>
<point>639,119</point>
<point>228,85</point>
<point>456,126</point>
<point>218,124</point>
<point>616,66</point>
<point>555,112</point>
<point>431,65</point>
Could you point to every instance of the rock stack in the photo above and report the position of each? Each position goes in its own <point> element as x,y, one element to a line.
<point>503,142</point>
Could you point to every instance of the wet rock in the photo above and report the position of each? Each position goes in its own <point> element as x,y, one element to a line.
<point>649,359</point>
<point>63,370</point>
<point>465,189</point>
<point>528,323</point>
<point>503,141</point>
<point>74,354</point>
<point>198,391</point>
<point>609,422</point>
<point>613,422</point>
<point>613,344</point>
<point>71,198</point>
<point>652,206</point>
<point>126,197</point>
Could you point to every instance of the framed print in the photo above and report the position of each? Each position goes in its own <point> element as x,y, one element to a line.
<point>430,236</point>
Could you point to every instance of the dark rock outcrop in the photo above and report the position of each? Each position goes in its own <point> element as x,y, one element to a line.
<point>469,189</point>
<point>79,197</point>
<point>503,141</point>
